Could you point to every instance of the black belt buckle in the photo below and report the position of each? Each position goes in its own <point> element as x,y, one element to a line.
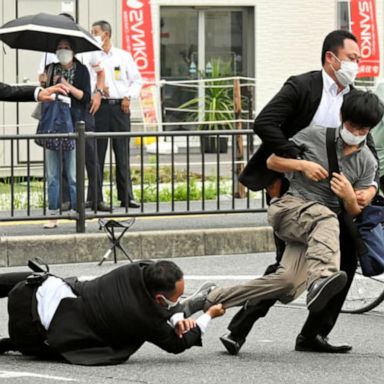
<point>36,279</point>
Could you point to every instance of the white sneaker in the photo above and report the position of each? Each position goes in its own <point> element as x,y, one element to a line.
<point>51,224</point>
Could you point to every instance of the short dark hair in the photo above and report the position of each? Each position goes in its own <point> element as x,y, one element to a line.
<point>71,42</point>
<point>335,40</point>
<point>162,276</point>
<point>104,25</point>
<point>362,108</point>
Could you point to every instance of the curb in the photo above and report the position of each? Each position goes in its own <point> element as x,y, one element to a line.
<point>79,248</point>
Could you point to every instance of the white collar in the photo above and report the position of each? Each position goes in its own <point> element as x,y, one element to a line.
<point>110,52</point>
<point>330,85</point>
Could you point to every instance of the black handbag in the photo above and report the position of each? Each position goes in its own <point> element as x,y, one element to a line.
<point>367,229</point>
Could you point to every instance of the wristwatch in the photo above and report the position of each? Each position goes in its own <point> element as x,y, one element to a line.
<point>99,91</point>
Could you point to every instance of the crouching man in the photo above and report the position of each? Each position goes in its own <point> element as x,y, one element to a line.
<point>100,321</point>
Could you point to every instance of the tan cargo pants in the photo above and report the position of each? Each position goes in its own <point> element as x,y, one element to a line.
<point>311,233</point>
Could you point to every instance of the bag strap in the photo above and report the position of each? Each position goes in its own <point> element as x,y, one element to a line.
<point>333,163</point>
<point>333,166</point>
<point>331,151</point>
<point>50,74</point>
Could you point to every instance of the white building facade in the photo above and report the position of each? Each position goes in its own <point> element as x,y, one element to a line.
<point>265,39</point>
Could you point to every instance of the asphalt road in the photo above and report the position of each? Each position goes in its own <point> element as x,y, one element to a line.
<point>235,220</point>
<point>267,357</point>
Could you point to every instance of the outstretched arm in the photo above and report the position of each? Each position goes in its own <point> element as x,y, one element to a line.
<point>311,170</point>
<point>46,94</point>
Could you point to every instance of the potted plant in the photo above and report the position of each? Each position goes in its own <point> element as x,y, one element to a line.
<point>218,106</point>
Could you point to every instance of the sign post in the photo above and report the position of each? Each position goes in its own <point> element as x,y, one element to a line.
<point>138,40</point>
<point>364,27</point>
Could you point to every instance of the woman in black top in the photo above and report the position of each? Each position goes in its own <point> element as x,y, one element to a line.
<point>75,76</point>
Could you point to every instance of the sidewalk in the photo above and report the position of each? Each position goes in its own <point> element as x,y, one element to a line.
<point>201,235</point>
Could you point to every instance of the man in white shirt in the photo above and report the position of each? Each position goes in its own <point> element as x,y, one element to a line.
<point>122,83</point>
<point>311,98</point>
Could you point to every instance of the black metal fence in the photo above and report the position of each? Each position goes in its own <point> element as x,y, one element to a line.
<point>182,173</point>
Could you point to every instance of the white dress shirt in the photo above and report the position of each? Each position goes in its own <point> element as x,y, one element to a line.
<point>122,76</point>
<point>49,296</point>
<point>328,112</point>
<point>202,321</point>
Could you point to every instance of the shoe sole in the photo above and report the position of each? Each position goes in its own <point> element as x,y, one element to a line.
<point>231,346</point>
<point>333,286</point>
<point>202,287</point>
<point>315,350</point>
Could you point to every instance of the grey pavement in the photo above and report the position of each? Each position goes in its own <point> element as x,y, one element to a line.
<point>149,237</point>
<point>267,357</point>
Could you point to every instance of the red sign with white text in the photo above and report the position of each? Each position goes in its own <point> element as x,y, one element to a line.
<point>137,35</point>
<point>364,27</point>
<point>138,40</point>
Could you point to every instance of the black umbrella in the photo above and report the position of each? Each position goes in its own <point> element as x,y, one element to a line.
<point>41,32</point>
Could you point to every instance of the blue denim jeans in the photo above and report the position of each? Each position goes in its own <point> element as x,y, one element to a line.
<point>53,165</point>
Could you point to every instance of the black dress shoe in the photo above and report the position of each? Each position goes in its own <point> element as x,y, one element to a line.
<point>131,204</point>
<point>103,207</point>
<point>231,343</point>
<point>322,290</point>
<point>319,344</point>
<point>6,345</point>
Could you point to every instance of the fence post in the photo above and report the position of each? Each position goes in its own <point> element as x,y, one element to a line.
<point>80,176</point>
<point>239,188</point>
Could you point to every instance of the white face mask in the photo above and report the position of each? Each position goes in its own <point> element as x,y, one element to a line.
<point>170,304</point>
<point>349,138</point>
<point>347,73</point>
<point>65,56</point>
<point>99,40</point>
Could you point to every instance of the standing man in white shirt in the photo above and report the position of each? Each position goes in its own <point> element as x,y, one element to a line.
<point>123,83</point>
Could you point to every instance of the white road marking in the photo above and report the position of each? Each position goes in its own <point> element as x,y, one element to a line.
<point>221,277</point>
<point>197,277</point>
<point>14,374</point>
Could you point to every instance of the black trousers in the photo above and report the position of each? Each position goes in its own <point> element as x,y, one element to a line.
<point>9,280</point>
<point>110,118</point>
<point>316,323</point>
<point>94,174</point>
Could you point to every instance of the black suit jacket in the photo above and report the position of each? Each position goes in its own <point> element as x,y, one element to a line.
<point>111,318</point>
<point>289,111</point>
<point>16,93</point>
